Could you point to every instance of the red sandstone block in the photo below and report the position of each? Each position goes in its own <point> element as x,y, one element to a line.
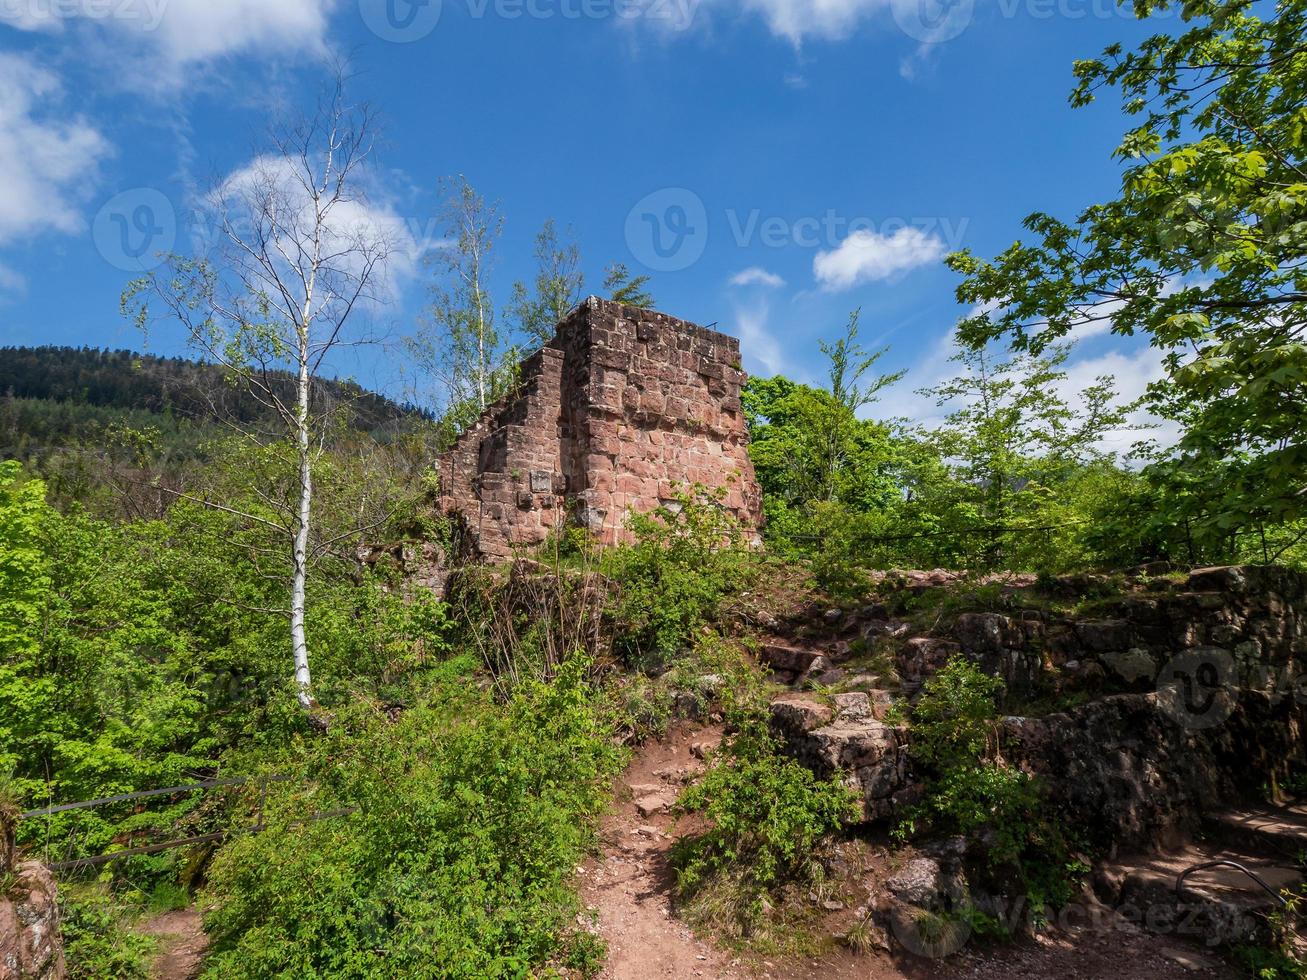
<point>574,413</point>
<point>653,402</point>
<point>628,484</point>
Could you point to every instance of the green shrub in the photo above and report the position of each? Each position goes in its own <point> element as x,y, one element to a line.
<point>687,558</point>
<point>976,794</point>
<point>989,797</point>
<point>767,814</point>
<point>953,721</point>
<point>99,943</point>
<point>471,817</point>
<point>838,562</point>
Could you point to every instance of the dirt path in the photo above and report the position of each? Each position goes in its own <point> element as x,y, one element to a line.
<point>182,944</point>
<point>629,884</point>
<point>629,887</point>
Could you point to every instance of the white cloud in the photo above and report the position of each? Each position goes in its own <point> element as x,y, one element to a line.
<point>173,34</point>
<point>370,222</point>
<point>12,282</point>
<point>48,158</point>
<point>932,368</point>
<point>757,343</point>
<point>867,256</point>
<point>197,30</point>
<point>830,20</point>
<point>1132,372</point>
<point>757,276</point>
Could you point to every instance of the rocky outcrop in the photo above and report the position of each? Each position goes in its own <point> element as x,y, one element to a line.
<point>1182,694</point>
<point>1252,619</point>
<point>845,738</point>
<point>1255,616</point>
<point>1125,771</point>
<point>31,947</point>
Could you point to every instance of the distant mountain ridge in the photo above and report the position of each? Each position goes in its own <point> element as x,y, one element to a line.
<point>194,390</point>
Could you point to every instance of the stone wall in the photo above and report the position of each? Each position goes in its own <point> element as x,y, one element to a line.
<point>1161,705</point>
<point>31,947</point>
<point>620,411</point>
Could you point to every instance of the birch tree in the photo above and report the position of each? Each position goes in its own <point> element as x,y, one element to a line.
<point>296,253</point>
<point>460,342</point>
<point>559,283</point>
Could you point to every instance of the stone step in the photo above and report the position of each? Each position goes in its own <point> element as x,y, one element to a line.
<point>786,659</point>
<point>1216,906</point>
<point>1280,830</point>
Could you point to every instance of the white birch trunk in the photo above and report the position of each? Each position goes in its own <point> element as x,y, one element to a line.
<point>299,579</point>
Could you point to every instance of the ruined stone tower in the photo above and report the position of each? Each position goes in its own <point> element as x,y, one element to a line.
<point>622,408</point>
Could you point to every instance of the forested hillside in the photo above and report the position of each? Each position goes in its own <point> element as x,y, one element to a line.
<point>85,418</point>
<point>90,387</point>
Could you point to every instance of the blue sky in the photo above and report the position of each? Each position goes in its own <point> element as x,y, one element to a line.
<point>796,158</point>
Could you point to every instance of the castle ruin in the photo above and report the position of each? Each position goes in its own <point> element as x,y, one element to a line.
<point>622,410</point>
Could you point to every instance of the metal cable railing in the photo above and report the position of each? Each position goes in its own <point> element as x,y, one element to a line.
<point>155,848</point>
<point>1224,862</point>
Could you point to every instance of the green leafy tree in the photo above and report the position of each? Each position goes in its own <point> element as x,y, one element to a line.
<point>1204,250</point>
<point>291,267</point>
<point>810,446</point>
<point>622,287</point>
<point>472,816</point>
<point>850,391</point>
<point>458,347</point>
<point>557,289</point>
<point>1012,445</point>
<point>25,583</point>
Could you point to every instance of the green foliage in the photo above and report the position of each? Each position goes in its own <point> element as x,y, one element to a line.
<point>1012,479</point>
<point>975,794</point>
<point>1269,964</point>
<point>459,346</point>
<point>767,813</point>
<point>622,287</point>
<point>810,447</point>
<point>134,656</point>
<point>1202,251</point>
<point>1281,958</point>
<point>172,390</point>
<point>968,799</point>
<point>688,557</point>
<point>558,285</point>
<point>472,815</point>
<point>99,943</point>
<point>953,720</point>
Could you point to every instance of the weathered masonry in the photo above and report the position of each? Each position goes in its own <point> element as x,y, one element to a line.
<point>623,408</point>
